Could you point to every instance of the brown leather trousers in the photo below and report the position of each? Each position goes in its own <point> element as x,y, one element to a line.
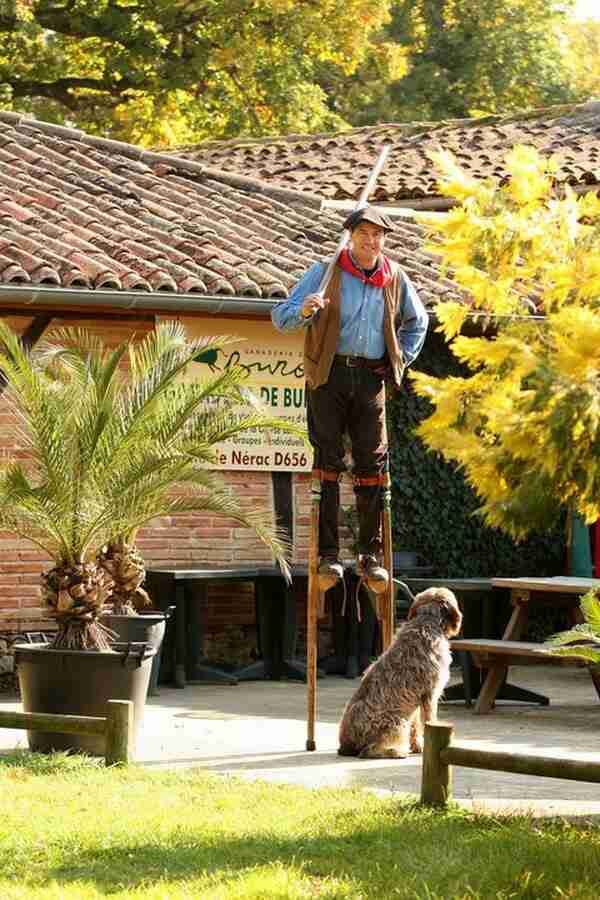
<point>351,403</point>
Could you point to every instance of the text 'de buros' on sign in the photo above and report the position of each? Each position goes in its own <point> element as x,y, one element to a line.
<point>275,374</point>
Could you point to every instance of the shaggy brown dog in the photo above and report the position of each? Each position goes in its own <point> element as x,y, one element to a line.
<point>400,691</point>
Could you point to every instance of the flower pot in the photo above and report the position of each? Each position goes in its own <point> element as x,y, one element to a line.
<point>81,682</point>
<point>148,627</point>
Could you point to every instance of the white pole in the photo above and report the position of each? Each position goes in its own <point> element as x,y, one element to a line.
<point>362,202</point>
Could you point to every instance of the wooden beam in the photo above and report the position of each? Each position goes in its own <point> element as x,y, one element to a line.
<point>29,338</point>
<point>403,208</point>
<point>521,763</point>
<point>283,503</point>
<point>53,722</point>
<point>33,333</point>
<point>440,754</point>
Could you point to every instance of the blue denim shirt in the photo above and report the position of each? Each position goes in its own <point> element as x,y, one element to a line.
<point>361,319</point>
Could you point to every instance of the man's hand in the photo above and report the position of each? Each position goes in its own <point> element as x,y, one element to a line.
<point>313,302</point>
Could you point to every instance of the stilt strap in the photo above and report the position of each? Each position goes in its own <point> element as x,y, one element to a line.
<point>326,475</point>
<point>382,480</point>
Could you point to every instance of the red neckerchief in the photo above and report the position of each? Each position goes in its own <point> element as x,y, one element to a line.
<point>379,278</point>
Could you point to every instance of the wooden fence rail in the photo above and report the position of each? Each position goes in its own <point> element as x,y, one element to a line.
<point>439,754</point>
<point>116,726</point>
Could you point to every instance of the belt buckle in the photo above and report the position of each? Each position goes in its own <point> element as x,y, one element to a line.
<point>352,362</point>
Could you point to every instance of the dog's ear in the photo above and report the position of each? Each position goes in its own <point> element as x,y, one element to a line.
<point>452,617</point>
<point>422,599</point>
<point>416,606</point>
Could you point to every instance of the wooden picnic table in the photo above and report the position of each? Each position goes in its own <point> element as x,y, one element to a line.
<point>497,656</point>
<point>276,622</point>
<point>274,612</point>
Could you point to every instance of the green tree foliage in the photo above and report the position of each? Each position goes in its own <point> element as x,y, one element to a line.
<point>178,71</point>
<point>583,56</point>
<point>434,507</point>
<point>171,71</point>
<point>460,59</point>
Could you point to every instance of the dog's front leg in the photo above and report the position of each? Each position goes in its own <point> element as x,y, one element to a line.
<point>416,731</point>
<point>428,711</point>
<point>389,745</point>
<point>429,707</point>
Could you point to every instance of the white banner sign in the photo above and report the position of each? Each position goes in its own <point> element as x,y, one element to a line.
<point>276,375</point>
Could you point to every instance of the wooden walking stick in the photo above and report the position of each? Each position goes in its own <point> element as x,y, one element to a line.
<point>314,599</point>
<point>312,607</point>
<point>387,597</point>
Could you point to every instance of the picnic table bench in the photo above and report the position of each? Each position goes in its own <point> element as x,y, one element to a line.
<point>497,655</point>
<point>483,611</point>
<point>485,652</point>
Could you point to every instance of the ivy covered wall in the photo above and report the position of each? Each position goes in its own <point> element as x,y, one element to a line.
<point>434,510</point>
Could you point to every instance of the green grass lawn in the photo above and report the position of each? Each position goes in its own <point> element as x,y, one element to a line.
<point>70,828</point>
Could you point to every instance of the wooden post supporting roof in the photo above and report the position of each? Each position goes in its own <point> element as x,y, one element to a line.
<point>29,338</point>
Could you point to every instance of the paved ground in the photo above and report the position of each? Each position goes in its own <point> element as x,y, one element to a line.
<point>258,730</point>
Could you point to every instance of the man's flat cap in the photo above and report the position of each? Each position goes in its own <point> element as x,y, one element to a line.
<point>368,214</point>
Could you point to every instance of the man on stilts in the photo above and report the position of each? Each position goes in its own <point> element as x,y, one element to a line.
<point>366,327</point>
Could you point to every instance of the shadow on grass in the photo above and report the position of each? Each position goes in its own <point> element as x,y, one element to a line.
<point>322,857</point>
<point>448,854</point>
<point>377,847</point>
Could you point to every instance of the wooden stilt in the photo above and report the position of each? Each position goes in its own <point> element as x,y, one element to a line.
<point>387,618</point>
<point>312,607</point>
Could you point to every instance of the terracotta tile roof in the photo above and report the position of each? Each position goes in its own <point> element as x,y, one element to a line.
<point>79,212</point>
<point>336,165</point>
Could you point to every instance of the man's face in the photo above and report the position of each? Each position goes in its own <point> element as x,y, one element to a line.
<point>367,243</point>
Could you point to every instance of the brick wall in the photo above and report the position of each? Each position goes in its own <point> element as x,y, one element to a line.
<point>185,541</point>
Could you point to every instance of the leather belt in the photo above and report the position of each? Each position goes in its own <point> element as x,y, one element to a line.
<point>359,362</point>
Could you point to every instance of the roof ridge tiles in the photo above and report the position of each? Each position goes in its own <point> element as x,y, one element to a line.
<point>328,163</point>
<point>141,154</point>
<point>416,127</point>
<point>262,187</point>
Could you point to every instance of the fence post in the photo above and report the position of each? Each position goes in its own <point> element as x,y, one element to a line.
<point>436,779</point>
<point>119,732</point>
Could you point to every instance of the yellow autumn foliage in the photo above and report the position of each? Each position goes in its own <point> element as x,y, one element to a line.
<point>455,181</point>
<point>524,424</point>
<point>528,180</point>
<point>451,318</point>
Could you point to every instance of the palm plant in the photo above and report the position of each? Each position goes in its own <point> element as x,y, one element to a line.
<point>582,640</point>
<point>188,420</point>
<point>108,450</point>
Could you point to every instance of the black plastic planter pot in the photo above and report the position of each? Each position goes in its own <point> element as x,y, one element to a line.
<point>80,682</point>
<point>149,627</point>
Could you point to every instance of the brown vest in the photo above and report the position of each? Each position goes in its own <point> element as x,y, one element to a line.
<point>322,334</point>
